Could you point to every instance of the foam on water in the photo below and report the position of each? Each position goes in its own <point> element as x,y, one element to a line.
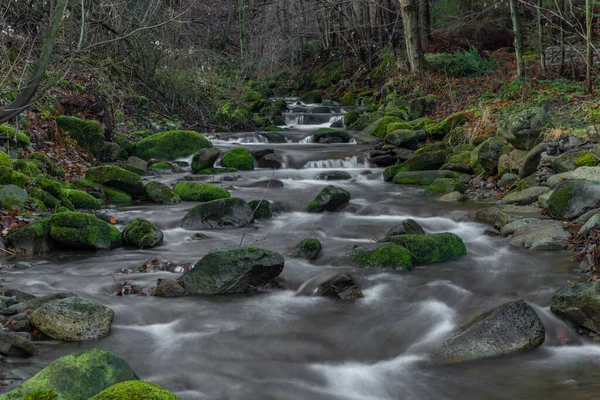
<point>348,162</point>
<point>444,317</point>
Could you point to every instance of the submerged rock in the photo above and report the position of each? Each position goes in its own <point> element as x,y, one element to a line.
<point>261,209</point>
<point>142,234</point>
<point>341,286</point>
<point>334,176</point>
<point>76,376</point>
<point>431,247</point>
<point>331,198</point>
<point>579,304</point>
<point>166,287</point>
<point>83,231</point>
<point>408,226</point>
<point>161,193</point>
<point>308,249</point>
<point>224,213</point>
<point>232,271</point>
<point>13,345</point>
<point>132,390</point>
<point>507,329</point>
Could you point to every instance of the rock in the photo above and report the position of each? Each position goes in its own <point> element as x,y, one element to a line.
<point>270,183</point>
<point>446,126</point>
<point>76,376</point>
<point>457,167</point>
<point>87,134</point>
<point>138,165</point>
<point>380,258</point>
<point>309,249</point>
<point>135,390</point>
<point>587,173</point>
<point>570,161</point>
<point>407,227</point>
<point>261,209</point>
<point>83,231</point>
<point>271,161</point>
<point>453,197</point>
<point>427,161</point>
<point>81,200</point>
<point>341,286</point>
<point>541,235</point>
<point>544,199</point>
<point>33,238</point>
<point>321,135</point>
<point>205,158</point>
<point>579,304</point>
<point>379,128</point>
<point>312,97</point>
<point>334,176</point>
<point>592,223</point>
<point>116,196</point>
<point>117,177</point>
<point>161,193</point>
<point>384,160</point>
<point>511,227</point>
<point>523,129</point>
<point>442,186</point>
<point>239,158</point>
<point>367,140</point>
<point>195,191</point>
<point>73,319</point>
<point>532,161</point>
<point>224,213</point>
<point>422,178</point>
<point>405,138</point>
<point>12,345</point>
<point>507,329</point>
<point>525,197</point>
<point>142,234</point>
<point>171,145</point>
<point>33,304</point>
<point>508,179</point>
<point>13,197</point>
<point>331,198</point>
<point>511,162</point>
<point>419,106</point>
<point>10,177</point>
<point>431,247</point>
<point>554,180</point>
<point>572,198</point>
<point>166,287</point>
<point>232,271</point>
<point>111,152</point>
<point>486,156</point>
<point>501,215</point>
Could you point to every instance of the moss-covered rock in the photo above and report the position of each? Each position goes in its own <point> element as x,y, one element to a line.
<point>8,133</point>
<point>49,166</point>
<point>261,209</point>
<point>161,193</point>
<point>432,247</point>
<point>81,200</point>
<point>31,168</point>
<point>215,171</point>
<point>116,196</point>
<point>325,133</point>
<point>572,198</point>
<point>442,186</point>
<point>571,160</point>
<point>5,160</point>
<point>10,177</point>
<point>83,231</point>
<point>239,158</point>
<point>87,134</point>
<point>312,97</point>
<point>524,129</point>
<point>420,178</point>
<point>486,156</point>
<point>424,161</point>
<point>196,191</point>
<point>161,165</point>
<point>45,197</point>
<point>579,304</point>
<point>117,177</point>
<point>131,390</point>
<point>309,249</point>
<point>142,234</point>
<point>205,159</point>
<point>350,117</point>
<point>51,186</point>
<point>405,138</point>
<point>77,376</point>
<point>33,238</point>
<point>421,105</point>
<point>223,213</point>
<point>383,258</point>
<point>12,197</point>
<point>331,198</point>
<point>446,126</point>
<point>379,128</point>
<point>171,145</point>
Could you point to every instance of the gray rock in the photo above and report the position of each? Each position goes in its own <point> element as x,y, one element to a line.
<point>511,162</point>
<point>586,264</point>
<point>544,198</point>
<point>458,167</point>
<point>499,216</point>
<point>12,197</point>
<point>508,179</point>
<point>574,197</point>
<point>205,159</point>
<point>405,138</point>
<point>510,328</point>
<point>406,227</point>
<point>34,303</point>
<point>331,198</point>
<point>587,174</point>
<point>488,153</point>
<point>523,130</point>
<point>334,176</point>
<point>453,197</point>
<point>111,152</point>
<point>403,154</point>
<point>223,213</point>
<point>511,227</point>
<point>556,179</point>
<point>12,345</point>
<point>138,164</point>
<point>270,183</point>
<point>579,304</point>
<point>532,160</point>
<point>541,235</point>
<point>271,161</point>
<point>341,286</point>
<point>367,140</point>
<point>525,197</point>
<point>73,319</point>
<point>592,223</point>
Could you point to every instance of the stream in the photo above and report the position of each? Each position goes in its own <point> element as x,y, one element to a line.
<point>292,345</point>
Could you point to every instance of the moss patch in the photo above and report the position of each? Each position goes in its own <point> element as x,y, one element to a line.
<point>83,231</point>
<point>81,200</point>
<point>195,191</point>
<point>87,134</point>
<point>135,390</point>
<point>239,158</point>
<point>171,145</point>
<point>430,248</point>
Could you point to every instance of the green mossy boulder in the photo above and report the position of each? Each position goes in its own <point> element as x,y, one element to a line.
<point>432,247</point>
<point>81,200</point>
<point>116,196</point>
<point>239,158</point>
<point>350,117</point>
<point>33,238</point>
<point>87,134</point>
<point>142,234</point>
<point>312,97</point>
<point>83,231</point>
<point>261,209</point>
<point>419,106</point>
<point>215,171</point>
<point>571,160</point>
<point>76,376</point>
<point>8,133</point>
<point>117,177</point>
<point>45,197</point>
<point>459,158</point>
<point>5,160</point>
<point>446,126</point>
<point>10,177</point>
<point>331,198</point>
<point>524,129</point>
<point>171,145</point>
<point>394,126</point>
<point>572,198</point>
<point>205,159</point>
<point>49,166</point>
<point>383,258</point>
<point>420,178</point>
<point>161,165</point>
<point>379,128</point>
<point>424,161</point>
<point>309,249</point>
<point>441,186</point>
<point>196,191</point>
<point>135,390</point>
<point>12,197</point>
<point>223,213</point>
<point>579,304</point>
<point>232,271</point>
<point>161,193</point>
<point>325,133</point>
<point>31,168</point>
<point>486,156</point>
<point>51,186</point>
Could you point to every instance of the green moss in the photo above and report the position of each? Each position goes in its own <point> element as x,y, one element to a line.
<point>8,132</point>
<point>5,160</point>
<point>142,234</point>
<point>80,230</point>
<point>161,193</point>
<point>397,112</point>
<point>161,165</point>
<point>41,395</point>
<point>391,171</point>
<point>81,200</point>
<point>32,238</point>
<point>261,209</point>
<point>586,160</point>
<point>239,158</point>
<point>135,390</point>
<point>459,158</point>
<point>350,117</point>
<point>273,128</point>
<point>252,96</point>
<point>171,145</point>
<point>388,257</point>
<point>444,127</point>
<point>348,99</point>
<point>196,191</point>
<point>381,127</point>
<point>261,121</point>
<point>429,248</point>
<point>423,161</point>
<point>31,168</point>
<point>323,133</point>
<point>116,196</point>
<point>116,177</point>
<point>49,166</point>
<point>213,171</point>
<point>308,248</point>
<point>421,123</point>
<point>45,197</point>
<point>10,177</point>
<point>87,134</point>
<point>445,185</point>
<point>50,185</point>
<point>394,126</point>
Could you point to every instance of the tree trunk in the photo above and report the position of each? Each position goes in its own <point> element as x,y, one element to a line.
<point>243,27</point>
<point>588,44</point>
<point>24,99</point>
<point>425,19</point>
<point>563,15</point>
<point>540,32</point>
<point>514,12</point>
<point>414,51</point>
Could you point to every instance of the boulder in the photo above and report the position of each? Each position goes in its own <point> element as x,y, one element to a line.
<point>431,247</point>
<point>571,160</point>
<point>510,328</point>
<point>592,223</point>
<point>83,231</point>
<point>166,287</point>
<point>499,216</point>
<point>333,176</point>
<point>579,304</point>
<point>76,376</point>
<point>486,156</point>
<point>13,345</point>
<point>195,191</point>
<point>171,145</point>
<point>73,319</point>
<point>308,249</point>
<point>271,161</point>
<point>116,196</point>
<point>32,238</point>
<point>508,179</point>
<point>111,152</point>
<point>524,129</point>
<point>426,161</point>
<point>526,196</point>
<point>405,138</point>
<point>422,178</point>
<point>267,183</point>
<point>137,165</point>
<point>224,213</point>
<point>13,197</point>
<point>378,258</point>
<point>161,193</point>
<point>441,186</point>
<point>586,173</point>
<point>512,227</point>
<point>446,126</point>
<point>532,160</point>
<point>239,158</point>
<point>232,271</point>
<point>142,234</point>
<point>312,97</point>
<point>572,198</point>
<point>135,390</point>
<point>28,305</point>
<point>261,209</point>
<point>87,134</point>
<point>511,162</point>
<point>453,197</point>
<point>341,286</point>
<point>10,177</point>
<point>81,200</point>
<point>321,134</point>
<point>117,177</point>
<point>331,198</point>
<point>205,159</point>
<point>541,235</point>
<point>458,167</point>
<point>407,227</point>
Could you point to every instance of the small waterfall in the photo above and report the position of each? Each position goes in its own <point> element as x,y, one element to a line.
<point>348,162</point>
<point>250,139</point>
<point>307,139</point>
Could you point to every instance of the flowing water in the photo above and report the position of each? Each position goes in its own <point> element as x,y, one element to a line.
<point>292,345</point>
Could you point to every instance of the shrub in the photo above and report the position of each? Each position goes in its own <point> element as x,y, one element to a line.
<point>467,63</point>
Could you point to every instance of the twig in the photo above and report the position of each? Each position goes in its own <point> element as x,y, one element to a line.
<point>117,283</point>
<point>6,251</point>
